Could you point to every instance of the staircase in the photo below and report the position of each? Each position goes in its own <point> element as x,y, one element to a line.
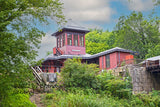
<point>43,79</point>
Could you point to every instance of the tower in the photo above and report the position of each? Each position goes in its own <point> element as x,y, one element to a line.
<point>70,39</point>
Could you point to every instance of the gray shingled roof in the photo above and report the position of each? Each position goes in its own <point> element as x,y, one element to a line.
<point>88,56</point>
<point>151,59</point>
<point>72,25</point>
<point>116,49</point>
<point>54,57</point>
<point>154,58</point>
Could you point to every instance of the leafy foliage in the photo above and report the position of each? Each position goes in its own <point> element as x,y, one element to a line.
<point>109,91</point>
<point>98,41</point>
<point>19,38</point>
<point>17,100</point>
<point>76,74</point>
<point>133,32</point>
<point>155,51</point>
<point>137,33</point>
<point>79,99</point>
<point>119,88</point>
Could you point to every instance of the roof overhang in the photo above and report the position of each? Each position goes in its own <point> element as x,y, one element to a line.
<point>88,56</point>
<point>70,29</point>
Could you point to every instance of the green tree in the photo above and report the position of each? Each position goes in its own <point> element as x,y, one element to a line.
<point>157,2</point>
<point>137,33</point>
<point>19,36</point>
<point>155,51</point>
<point>98,41</point>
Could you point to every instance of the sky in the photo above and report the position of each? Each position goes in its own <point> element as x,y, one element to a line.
<point>102,14</point>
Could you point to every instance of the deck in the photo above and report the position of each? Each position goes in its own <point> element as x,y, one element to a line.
<point>153,66</point>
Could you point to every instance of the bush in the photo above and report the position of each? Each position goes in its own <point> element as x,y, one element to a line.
<point>103,80</point>
<point>17,100</point>
<point>152,99</point>
<point>76,74</point>
<point>119,88</point>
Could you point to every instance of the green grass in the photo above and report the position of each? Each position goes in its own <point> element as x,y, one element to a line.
<point>78,97</point>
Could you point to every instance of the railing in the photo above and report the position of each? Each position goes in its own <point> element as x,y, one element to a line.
<point>57,51</point>
<point>136,62</point>
<point>44,78</point>
<point>37,76</point>
<point>152,66</point>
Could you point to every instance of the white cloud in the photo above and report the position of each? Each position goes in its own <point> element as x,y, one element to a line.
<point>47,44</point>
<point>140,5</point>
<point>88,10</point>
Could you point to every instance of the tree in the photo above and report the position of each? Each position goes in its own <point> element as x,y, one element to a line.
<point>157,2</point>
<point>137,33</point>
<point>19,36</point>
<point>98,41</point>
<point>153,51</point>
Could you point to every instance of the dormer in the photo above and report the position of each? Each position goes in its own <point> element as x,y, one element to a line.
<point>71,39</point>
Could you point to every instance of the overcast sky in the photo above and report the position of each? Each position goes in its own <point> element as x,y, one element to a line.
<point>99,13</point>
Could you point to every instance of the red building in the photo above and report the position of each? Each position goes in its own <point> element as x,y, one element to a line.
<point>71,43</point>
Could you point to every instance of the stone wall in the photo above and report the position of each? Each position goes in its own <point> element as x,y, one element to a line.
<point>142,80</point>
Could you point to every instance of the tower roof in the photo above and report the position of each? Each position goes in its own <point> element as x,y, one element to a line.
<point>72,26</point>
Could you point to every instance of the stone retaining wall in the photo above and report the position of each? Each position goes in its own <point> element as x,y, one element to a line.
<point>142,80</point>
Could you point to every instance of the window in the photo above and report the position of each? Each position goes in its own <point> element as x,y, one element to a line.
<point>60,41</point>
<point>63,39</point>
<point>69,39</point>
<point>81,40</point>
<point>107,61</point>
<point>57,42</point>
<point>75,39</point>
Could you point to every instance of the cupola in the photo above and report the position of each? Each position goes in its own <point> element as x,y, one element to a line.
<point>70,39</point>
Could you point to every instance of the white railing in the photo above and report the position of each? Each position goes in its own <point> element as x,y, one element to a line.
<point>43,77</point>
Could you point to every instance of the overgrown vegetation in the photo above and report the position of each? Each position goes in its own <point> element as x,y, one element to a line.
<point>77,74</point>
<point>19,39</point>
<point>82,86</point>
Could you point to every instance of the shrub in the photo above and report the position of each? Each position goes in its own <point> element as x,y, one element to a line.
<point>17,100</point>
<point>119,88</point>
<point>76,74</point>
<point>152,99</point>
<point>103,80</point>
